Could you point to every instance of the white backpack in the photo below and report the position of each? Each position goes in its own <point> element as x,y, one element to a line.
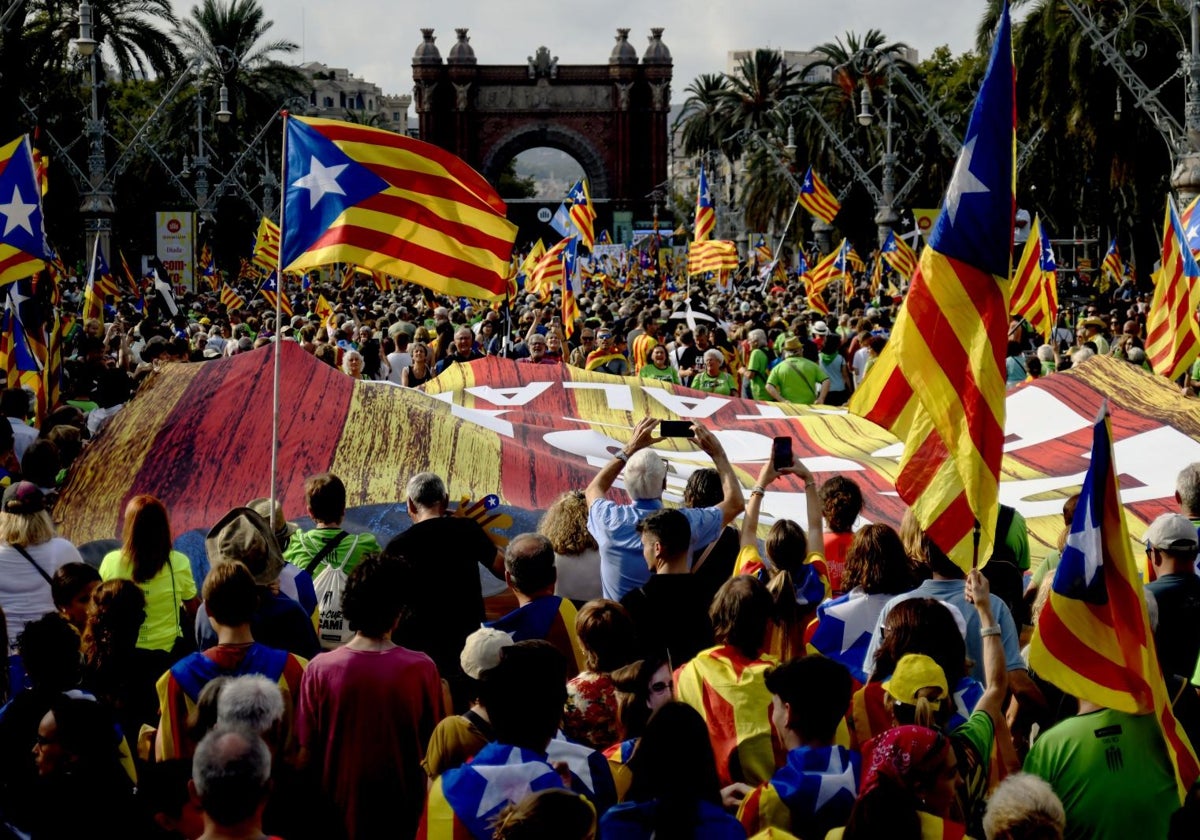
<point>330,585</point>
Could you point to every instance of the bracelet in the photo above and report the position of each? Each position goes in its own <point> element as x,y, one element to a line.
<point>757,491</point>
<point>994,630</point>
<point>621,456</point>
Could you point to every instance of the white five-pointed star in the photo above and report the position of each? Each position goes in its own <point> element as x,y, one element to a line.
<point>1193,232</point>
<point>15,298</point>
<point>963,181</point>
<point>508,782</point>
<point>17,213</point>
<point>855,620</point>
<point>320,179</point>
<point>1088,543</point>
<point>836,778</point>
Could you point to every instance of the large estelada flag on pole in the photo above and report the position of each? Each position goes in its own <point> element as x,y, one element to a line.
<point>817,199</point>
<point>1172,335</point>
<point>1034,292</point>
<point>939,383</point>
<point>1093,639</point>
<point>23,246</point>
<point>392,204</point>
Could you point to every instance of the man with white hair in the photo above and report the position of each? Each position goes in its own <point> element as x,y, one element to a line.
<point>464,349</point>
<point>614,526</point>
<point>231,775</point>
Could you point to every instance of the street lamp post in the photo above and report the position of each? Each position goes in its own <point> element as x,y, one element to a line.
<point>886,216</point>
<point>97,206</point>
<point>1185,178</point>
<point>201,160</point>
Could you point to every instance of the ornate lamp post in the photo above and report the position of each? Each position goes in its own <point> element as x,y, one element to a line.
<point>886,216</point>
<point>97,206</point>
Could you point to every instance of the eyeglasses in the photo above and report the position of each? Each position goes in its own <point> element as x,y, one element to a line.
<point>660,687</point>
<point>587,338</point>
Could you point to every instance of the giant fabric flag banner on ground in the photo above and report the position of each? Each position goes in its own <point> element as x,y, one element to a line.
<point>530,432</point>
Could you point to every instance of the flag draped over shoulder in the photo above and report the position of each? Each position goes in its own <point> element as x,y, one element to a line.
<point>706,216</point>
<point>1034,292</point>
<point>816,198</point>
<point>23,246</point>
<point>1172,335</point>
<point>1093,639</point>
<point>392,204</point>
<point>939,383</point>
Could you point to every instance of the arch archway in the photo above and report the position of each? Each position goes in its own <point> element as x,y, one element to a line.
<point>524,138</point>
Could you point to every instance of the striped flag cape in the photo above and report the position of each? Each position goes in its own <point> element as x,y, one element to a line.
<point>1172,335</point>
<point>230,299</point>
<point>816,198</point>
<point>266,246</point>
<point>23,246</point>
<point>939,384</point>
<point>270,290</point>
<point>1093,639</point>
<point>706,216</point>
<point>812,793</point>
<point>463,802</point>
<point>730,692</point>
<point>550,618</point>
<point>899,255</point>
<point>1034,291</point>
<point>547,274</point>
<point>712,255</point>
<point>583,214</point>
<point>392,204</point>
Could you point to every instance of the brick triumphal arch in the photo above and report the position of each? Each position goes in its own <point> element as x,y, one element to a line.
<point>611,118</point>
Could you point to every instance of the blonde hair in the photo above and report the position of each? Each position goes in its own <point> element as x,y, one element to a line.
<point>1024,805</point>
<point>565,524</point>
<point>26,529</point>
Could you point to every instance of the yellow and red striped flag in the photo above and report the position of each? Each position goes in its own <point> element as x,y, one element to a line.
<point>899,255</point>
<point>266,246</point>
<point>1093,639</point>
<point>816,198</point>
<point>1034,289</point>
<point>712,255</point>
<point>1112,268</point>
<point>706,216</point>
<point>583,214</point>
<point>1172,335</point>
<point>547,274</point>
<point>231,299</point>
<point>939,383</point>
<point>270,289</point>
<point>830,269</point>
<point>392,204</point>
<point>23,247</point>
<point>856,262</point>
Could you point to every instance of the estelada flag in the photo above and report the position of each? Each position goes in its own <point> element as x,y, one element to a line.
<point>938,385</point>
<point>266,246</point>
<point>392,204</point>
<point>23,246</point>
<point>816,198</point>
<point>1093,639</point>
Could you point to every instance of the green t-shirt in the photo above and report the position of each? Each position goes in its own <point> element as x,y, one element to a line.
<point>165,594</point>
<point>797,380</point>
<point>667,374</point>
<point>1112,773</point>
<point>758,366</point>
<point>304,545</point>
<point>721,384</point>
<point>1047,566</point>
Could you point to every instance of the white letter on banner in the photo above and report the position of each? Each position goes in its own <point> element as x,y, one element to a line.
<point>687,406</point>
<point>511,397</point>
<point>620,397</point>
<point>767,411</point>
<point>480,417</point>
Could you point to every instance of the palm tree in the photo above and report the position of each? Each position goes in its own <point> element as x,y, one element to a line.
<point>700,116</point>
<point>131,34</point>
<point>761,81</point>
<point>228,36</point>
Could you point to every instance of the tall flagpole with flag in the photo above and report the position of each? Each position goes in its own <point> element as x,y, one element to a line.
<point>283,186</point>
<point>939,383</point>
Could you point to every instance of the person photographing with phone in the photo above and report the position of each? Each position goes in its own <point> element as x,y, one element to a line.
<point>614,526</point>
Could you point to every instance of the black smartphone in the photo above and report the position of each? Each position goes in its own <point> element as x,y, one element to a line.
<point>676,429</point>
<point>781,453</point>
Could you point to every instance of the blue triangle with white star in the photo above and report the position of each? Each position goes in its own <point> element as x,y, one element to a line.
<point>21,223</point>
<point>321,182</point>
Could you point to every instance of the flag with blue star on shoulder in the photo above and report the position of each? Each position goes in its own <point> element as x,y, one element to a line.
<point>391,204</point>
<point>463,802</point>
<point>939,385</point>
<point>812,793</point>
<point>23,247</point>
<point>844,627</point>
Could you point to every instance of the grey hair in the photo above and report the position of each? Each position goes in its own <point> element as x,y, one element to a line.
<point>1046,353</point>
<point>1081,355</point>
<point>1021,803</point>
<point>714,353</point>
<point>252,701</point>
<point>427,490</point>
<point>464,331</point>
<point>231,769</point>
<point>347,356</point>
<point>1187,485</point>
<point>758,337</point>
<point>645,474</point>
<point>1135,356</point>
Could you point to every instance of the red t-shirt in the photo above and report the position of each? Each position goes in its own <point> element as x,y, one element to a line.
<point>836,546</point>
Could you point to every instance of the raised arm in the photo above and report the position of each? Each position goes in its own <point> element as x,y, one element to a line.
<point>643,436</point>
<point>733,502</point>
<point>994,667</point>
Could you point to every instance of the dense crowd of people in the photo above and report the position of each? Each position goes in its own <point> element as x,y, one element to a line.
<point>649,671</point>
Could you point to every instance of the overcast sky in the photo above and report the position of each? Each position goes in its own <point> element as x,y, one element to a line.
<point>375,39</point>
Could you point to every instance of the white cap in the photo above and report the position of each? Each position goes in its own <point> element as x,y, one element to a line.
<point>481,651</point>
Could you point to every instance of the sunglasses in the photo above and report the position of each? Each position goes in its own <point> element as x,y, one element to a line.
<point>604,337</point>
<point>660,687</point>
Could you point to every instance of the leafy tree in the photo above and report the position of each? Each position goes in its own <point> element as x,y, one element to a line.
<point>512,185</point>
